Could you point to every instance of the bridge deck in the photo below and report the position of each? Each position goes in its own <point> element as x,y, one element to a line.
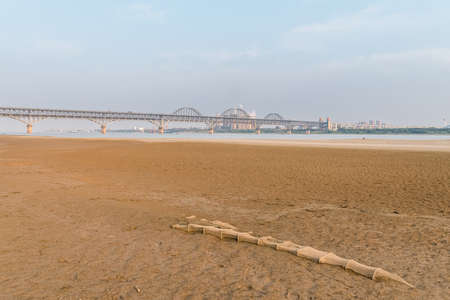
<point>25,114</point>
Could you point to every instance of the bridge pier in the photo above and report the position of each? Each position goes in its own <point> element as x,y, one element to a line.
<point>235,118</point>
<point>211,127</point>
<point>162,126</point>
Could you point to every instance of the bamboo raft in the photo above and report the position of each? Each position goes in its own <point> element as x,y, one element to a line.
<point>226,231</point>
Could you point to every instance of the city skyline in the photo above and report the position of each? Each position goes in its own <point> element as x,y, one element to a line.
<point>352,61</point>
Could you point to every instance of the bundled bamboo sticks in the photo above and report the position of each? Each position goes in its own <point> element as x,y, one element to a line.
<point>226,231</point>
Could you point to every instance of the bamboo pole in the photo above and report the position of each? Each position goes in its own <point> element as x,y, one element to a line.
<point>226,231</point>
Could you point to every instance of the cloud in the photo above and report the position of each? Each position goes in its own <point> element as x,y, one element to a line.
<point>426,58</point>
<point>227,55</point>
<point>439,56</point>
<point>55,47</point>
<point>361,20</point>
<point>372,29</point>
<point>217,56</point>
<point>143,12</point>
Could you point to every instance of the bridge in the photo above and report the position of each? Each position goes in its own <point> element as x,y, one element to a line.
<point>233,118</point>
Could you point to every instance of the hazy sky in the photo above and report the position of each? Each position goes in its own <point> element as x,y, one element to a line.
<point>351,60</point>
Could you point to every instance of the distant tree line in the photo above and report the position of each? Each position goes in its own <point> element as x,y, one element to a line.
<point>432,130</point>
<point>436,131</point>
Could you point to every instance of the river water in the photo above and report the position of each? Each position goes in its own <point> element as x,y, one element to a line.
<point>219,136</point>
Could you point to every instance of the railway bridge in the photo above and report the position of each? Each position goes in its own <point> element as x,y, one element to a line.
<point>233,118</point>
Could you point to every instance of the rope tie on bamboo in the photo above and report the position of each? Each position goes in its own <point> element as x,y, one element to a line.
<point>349,262</point>
<point>321,260</point>
<point>377,270</point>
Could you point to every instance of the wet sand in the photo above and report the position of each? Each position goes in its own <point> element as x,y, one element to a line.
<point>362,143</point>
<point>86,218</point>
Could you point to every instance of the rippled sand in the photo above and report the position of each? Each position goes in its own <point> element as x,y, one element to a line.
<point>90,218</point>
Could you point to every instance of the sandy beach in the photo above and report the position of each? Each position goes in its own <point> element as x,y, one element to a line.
<point>362,143</point>
<point>90,218</point>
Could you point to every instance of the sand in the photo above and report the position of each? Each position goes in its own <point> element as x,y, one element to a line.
<point>91,219</point>
<point>362,143</point>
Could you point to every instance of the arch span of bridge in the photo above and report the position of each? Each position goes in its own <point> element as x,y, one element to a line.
<point>230,119</point>
<point>30,116</point>
<point>187,111</point>
<point>235,112</point>
<point>273,116</point>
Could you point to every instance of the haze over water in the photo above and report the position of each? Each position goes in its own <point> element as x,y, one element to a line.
<point>224,136</point>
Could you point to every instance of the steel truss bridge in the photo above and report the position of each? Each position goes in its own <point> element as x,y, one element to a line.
<point>234,118</point>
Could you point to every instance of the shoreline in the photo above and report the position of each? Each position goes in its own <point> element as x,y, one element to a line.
<point>356,144</point>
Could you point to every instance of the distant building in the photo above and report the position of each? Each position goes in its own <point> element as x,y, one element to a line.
<point>327,125</point>
<point>371,124</point>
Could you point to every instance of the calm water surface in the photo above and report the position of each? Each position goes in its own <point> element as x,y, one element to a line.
<point>219,136</point>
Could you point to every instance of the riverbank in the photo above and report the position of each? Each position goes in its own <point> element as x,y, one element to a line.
<point>91,218</point>
<point>365,143</point>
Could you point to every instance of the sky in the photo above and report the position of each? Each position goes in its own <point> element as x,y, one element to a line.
<point>349,60</point>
